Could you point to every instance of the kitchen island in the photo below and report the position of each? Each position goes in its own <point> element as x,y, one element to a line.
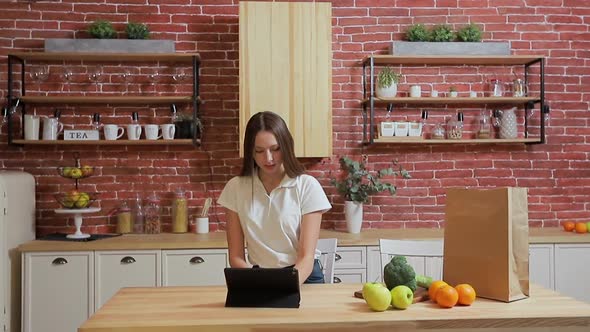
<point>329,307</point>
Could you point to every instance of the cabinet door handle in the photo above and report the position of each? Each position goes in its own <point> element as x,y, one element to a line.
<point>337,257</point>
<point>337,280</point>
<point>59,261</point>
<point>197,260</point>
<point>127,260</point>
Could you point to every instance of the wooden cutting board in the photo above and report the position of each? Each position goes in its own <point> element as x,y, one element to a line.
<point>420,295</point>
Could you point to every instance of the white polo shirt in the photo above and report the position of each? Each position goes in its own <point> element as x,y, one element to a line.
<point>272,223</point>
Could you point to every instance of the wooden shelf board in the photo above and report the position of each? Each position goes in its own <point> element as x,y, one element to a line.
<point>420,140</point>
<point>106,57</point>
<point>420,60</point>
<point>106,99</point>
<point>451,100</point>
<point>104,142</point>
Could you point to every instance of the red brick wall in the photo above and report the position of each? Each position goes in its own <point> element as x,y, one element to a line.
<point>557,173</point>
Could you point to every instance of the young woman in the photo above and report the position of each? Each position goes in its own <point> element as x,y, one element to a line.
<point>272,205</point>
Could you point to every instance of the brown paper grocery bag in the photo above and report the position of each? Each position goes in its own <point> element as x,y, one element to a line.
<point>486,242</point>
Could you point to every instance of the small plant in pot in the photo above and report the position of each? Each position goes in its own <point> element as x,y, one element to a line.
<point>387,81</point>
<point>453,91</point>
<point>137,31</point>
<point>102,29</point>
<point>443,33</point>
<point>358,183</point>
<point>469,33</point>
<point>418,33</point>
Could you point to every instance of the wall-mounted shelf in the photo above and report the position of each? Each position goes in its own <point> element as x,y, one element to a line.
<point>369,102</point>
<point>456,100</point>
<point>104,142</point>
<point>105,99</point>
<point>24,58</point>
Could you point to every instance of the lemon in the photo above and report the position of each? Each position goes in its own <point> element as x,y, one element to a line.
<point>76,173</point>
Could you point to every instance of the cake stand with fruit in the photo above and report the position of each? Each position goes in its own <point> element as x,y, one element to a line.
<point>76,202</point>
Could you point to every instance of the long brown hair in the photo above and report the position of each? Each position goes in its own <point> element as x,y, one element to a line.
<point>273,123</point>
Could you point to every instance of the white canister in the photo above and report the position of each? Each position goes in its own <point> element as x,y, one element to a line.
<point>32,127</point>
<point>401,128</point>
<point>387,128</point>
<point>415,91</point>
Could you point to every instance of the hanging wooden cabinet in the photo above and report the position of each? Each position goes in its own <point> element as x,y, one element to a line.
<point>286,67</point>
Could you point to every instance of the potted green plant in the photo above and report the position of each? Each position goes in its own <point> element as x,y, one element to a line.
<point>387,81</point>
<point>137,31</point>
<point>102,29</point>
<point>357,184</point>
<point>418,33</point>
<point>469,33</point>
<point>443,33</point>
<point>453,91</point>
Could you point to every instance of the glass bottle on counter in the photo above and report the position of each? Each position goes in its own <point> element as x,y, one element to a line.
<point>152,215</point>
<point>138,215</point>
<point>179,212</point>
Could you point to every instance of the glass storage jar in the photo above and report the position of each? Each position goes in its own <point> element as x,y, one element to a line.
<point>152,215</point>
<point>179,212</point>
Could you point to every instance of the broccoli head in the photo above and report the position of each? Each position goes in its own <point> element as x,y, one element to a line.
<point>399,272</point>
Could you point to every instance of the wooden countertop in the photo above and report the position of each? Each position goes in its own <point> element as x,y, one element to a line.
<point>329,307</point>
<point>369,237</point>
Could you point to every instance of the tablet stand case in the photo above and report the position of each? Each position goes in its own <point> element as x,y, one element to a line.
<point>262,287</point>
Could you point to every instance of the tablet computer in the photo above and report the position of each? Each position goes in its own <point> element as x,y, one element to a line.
<point>262,287</point>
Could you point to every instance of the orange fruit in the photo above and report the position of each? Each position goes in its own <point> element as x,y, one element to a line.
<point>447,296</point>
<point>466,294</point>
<point>581,227</point>
<point>569,226</point>
<point>434,286</point>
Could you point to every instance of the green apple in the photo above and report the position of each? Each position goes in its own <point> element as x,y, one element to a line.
<point>66,171</point>
<point>76,173</point>
<point>82,201</point>
<point>87,170</point>
<point>377,296</point>
<point>401,297</point>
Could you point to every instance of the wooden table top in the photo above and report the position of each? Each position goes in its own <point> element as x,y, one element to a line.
<point>331,307</point>
<point>217,240</point>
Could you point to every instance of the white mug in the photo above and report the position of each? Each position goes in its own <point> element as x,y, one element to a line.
<point>133,131</point>
<point>415,91</point>
<point>168,130</point>
<point>434,93</point>
<point>32,127</point>
<point>112,132</point>
<point>152,132</point>
<point>51,128</point>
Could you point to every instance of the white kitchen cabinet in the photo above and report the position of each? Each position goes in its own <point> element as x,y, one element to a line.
<point>541,265</point>
<point>194,267</point>
<point>572,270</point>
<point>351,264</point>
<point>57,290</point>
<point>374,272</point>
<point>118,269</point>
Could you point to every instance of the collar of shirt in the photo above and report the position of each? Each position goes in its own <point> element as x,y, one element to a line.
<point>286,182</point>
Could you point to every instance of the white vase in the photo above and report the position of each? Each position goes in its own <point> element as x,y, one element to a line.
<point>353,213</point>
<point>388,92</point>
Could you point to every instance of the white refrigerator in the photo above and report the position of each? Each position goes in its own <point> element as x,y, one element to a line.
<point>17,226</point>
